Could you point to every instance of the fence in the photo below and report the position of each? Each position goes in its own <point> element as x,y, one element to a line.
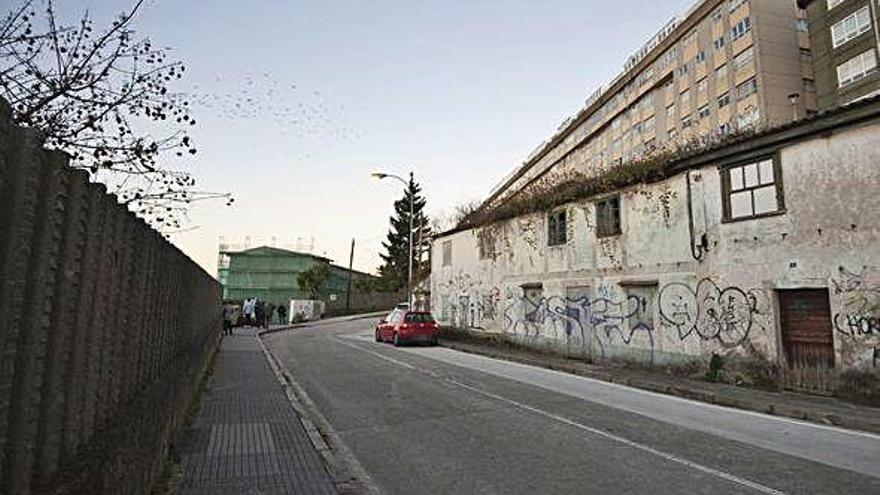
<point>105,329</point>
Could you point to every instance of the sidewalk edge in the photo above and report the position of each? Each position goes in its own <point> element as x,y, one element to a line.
<point>347,474</point>
<point>757,405</point>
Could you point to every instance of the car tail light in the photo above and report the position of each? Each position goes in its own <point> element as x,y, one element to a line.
<point>404,326</point>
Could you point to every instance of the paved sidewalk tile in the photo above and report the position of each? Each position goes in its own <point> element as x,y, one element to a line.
<point>247,438</point>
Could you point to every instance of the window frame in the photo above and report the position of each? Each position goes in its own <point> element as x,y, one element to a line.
<point>557,235</point>
<point>602,230</point>
<point>446,253</point>
<point>726,191</point>
<point>864,73</point>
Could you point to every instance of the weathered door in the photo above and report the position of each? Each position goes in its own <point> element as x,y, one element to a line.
<point>807,340</point>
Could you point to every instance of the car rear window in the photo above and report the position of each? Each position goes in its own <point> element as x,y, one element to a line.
<point>420,318</point>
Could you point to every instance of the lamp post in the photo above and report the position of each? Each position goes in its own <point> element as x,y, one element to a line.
<point>380,176</point>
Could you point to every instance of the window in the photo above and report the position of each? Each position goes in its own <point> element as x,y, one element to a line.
<point>724,100</point>
<point>701,57</point>
<point>752,190</point>
<point>608,217</point>
<point>748,117</point>
<point>743,58</point>
<point>640,299</point>
<point>734,4</point>
<point>721,73</point>
<point>833,3</point>
<point>447,253</point>
<point>718,43</point>
<point>740,28</point>
<point>486,243</point>
<point>686,121</point>
<point>649,124</point>
<point>556,228</point>
<point>419,318</point>
<point>717,15</point>
<point>703,112</point>
<point>747,88</point>
<point>806,55</point>
<point>701,85</point>
<point>533,293</point>
<point>850,26</point>
<point>681,71</point>
<point>801,25</point>
<point>856,68</point>
<point>685,96</point>
<point>725,128</point>
<point>670,111</point>
<point>809,86</point>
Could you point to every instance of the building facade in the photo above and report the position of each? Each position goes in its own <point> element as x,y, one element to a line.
<point>765,250</point>
<point>723,66</point>
<point>270,274</point>
<point>846,43</point>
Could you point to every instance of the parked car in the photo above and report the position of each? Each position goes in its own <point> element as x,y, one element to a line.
<point>404,326</point>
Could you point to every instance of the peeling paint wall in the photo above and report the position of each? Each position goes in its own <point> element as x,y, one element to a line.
<point>640,295</point>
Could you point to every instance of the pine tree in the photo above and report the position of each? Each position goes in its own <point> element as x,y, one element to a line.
<point>394,270</point>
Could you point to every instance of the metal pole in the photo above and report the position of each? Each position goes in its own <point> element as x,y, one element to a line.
<point>409,277</point>
<point>350,268</point>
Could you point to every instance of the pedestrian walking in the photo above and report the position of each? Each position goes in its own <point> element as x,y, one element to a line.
<point>228,314</point>
<point>259,312</point>
<point>282,315</point>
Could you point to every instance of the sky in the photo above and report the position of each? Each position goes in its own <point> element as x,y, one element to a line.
<point>298,102</point>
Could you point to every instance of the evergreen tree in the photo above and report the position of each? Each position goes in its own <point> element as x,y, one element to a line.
<point>394,269</point>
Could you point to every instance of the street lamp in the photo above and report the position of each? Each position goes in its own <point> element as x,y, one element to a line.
<point>380,176</point>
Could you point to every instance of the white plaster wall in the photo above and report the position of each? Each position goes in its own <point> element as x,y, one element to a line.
<point>829,237</point>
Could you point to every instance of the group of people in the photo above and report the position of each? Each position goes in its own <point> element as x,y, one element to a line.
<point>254,312</point>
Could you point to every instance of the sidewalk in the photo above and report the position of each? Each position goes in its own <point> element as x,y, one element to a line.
<point>817,409</point>
<point>247,439</point>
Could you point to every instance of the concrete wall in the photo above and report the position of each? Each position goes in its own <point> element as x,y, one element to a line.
<point>641,295</point>
<point>106,329</point>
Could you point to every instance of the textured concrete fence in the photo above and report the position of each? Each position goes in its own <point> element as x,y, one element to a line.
<point>105,328</point>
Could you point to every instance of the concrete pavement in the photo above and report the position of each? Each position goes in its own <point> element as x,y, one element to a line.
<point>431,420</point>
<point>247,439</point>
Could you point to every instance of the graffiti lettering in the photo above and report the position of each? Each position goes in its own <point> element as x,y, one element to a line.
<point>710,312</point>
<point>580,321</point>
<point>859,296</point>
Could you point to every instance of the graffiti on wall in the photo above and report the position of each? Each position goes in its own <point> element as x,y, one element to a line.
<point>726,315</point>
<point>580,321</point>
<point>594,325</point>
<point>859,296</point>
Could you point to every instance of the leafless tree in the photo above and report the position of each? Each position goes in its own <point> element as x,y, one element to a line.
<point>102,95</point>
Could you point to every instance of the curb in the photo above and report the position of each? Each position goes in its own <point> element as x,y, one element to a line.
<point>349,477</point>
<point>337,319</point>
<point>756,405</point>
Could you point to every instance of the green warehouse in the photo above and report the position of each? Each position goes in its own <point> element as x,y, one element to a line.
<point>271,274</point>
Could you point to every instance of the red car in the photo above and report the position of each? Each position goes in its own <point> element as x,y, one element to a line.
<point>402,326</point>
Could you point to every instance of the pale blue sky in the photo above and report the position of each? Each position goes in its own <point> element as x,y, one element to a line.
<point>457,91</point>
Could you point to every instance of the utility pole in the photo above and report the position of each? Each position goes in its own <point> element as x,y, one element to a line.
<point>350,265</point>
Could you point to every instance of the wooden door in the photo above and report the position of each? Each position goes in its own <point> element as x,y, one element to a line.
<point>807,339</point>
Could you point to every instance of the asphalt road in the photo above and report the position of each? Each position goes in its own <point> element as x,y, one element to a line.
<point>432,420</point>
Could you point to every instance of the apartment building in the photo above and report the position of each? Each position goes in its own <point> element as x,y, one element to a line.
<point>722,66</point>
<point>846,43</point>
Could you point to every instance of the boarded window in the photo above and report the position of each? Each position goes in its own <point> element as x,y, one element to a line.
<point>557,229</point>
<point>640,305</point>
<point>752,190</point>
<point>486,243</point>
<point>447,253</point>
<point>608,217</point>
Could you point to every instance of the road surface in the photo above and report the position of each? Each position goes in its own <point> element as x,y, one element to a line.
<point>432,420</point>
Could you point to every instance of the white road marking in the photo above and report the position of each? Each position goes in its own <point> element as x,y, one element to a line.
<point>670,457</point>
<point>635,391</point>
<point>378,355</point>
